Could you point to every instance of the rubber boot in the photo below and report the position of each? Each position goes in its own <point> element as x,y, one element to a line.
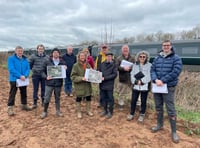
<point>44,113</point>
<point>88,108</point>
<point>10,111</point>
<point>159,123</point>
<point>105,110</point>
<point>175,137</point>
<point>110,111</point>
<point>58,113</point>
<point>78,108</point>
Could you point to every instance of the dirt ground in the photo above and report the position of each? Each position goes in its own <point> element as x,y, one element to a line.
<point>26,129</point>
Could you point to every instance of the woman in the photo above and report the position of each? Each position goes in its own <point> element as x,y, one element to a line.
<point>82,88</point>
<point>140,78</point>
<point>89,58</point>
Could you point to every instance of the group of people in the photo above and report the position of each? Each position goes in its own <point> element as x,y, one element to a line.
<point>135,76</point>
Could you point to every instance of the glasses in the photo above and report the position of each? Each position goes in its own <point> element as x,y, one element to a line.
<point>142,57</point>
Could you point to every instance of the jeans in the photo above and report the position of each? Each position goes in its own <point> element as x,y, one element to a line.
<point>169,102</point>
<point>37,79</point>
<point>107,99</point>
<point>48,93</point>
<point>12,94</point>
<point>68,85</point>
<point>135,95</point>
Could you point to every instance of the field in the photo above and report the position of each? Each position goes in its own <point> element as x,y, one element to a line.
<point>27,130</point>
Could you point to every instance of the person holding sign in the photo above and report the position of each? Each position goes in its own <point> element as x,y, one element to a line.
<point>83,88</point>
<point>18,68</point>
<point>52,84</point>
<point>124,64</point>
<point>140,78</point>
<point>166,68</point>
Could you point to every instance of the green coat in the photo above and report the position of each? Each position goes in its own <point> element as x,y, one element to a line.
<point>82,88</point>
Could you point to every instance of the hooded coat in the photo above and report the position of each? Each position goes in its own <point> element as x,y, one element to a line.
<point>82,88</point>
<point>166,68</point>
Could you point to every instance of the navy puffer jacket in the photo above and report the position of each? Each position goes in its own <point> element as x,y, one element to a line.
<point>167,69</point>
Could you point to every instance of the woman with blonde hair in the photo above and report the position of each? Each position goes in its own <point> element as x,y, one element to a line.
<point>83,89</point>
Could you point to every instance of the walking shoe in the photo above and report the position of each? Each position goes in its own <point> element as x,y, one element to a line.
<point>59,114</point>
<point>25,107</point>
<point>34,106</point>
<point>10,111</point>
<point>109,115</point>
<point>71,95</point>
<point>141,118</point>
<point>103,113</point>
<point>43,115</point>
<point>130,117</point>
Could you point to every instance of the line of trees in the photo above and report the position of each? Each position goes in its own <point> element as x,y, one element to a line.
<point>194,33</point>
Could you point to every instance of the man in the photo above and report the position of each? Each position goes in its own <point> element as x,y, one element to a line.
<point>101,57</point>
<point>99,60</point>
<point>165,69</point>
<point>69,59</point>
<point>124,85</point>
<point>18,68</point>
<point>52,84</point>
<point>109,73</point>
<point>36,64</point>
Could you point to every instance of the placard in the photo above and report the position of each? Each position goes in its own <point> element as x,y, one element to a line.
<point>125,63</point>
<point>159,89</point>
<point>93,76</point>
<point>20,82</point>
<point>56,72</point>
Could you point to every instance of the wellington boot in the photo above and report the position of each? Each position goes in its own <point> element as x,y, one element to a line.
<point>175,137</point>
<point>78,108</point>
<point>88,108</point>
<point>159,123</point>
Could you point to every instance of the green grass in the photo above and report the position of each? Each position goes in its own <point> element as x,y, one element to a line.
<point>191,116</point>
<point>4,66</point>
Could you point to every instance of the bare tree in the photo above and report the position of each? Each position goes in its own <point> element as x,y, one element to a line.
<point>158,36</point>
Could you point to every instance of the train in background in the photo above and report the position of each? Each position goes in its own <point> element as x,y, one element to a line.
<point>188,50</point>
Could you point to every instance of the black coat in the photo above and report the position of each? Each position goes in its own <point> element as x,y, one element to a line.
<point>109,72</point>
<point>53,82</point>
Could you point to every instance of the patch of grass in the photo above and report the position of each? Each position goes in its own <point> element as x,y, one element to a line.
<point>191,116</point>
<point>4,66</point>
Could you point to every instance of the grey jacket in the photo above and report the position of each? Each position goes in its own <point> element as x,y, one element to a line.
<point>36,63</point>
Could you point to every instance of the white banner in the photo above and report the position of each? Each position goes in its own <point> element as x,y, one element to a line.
<point>93,76</point>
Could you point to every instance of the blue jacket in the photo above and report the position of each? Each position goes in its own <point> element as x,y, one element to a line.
<point>18,67</point>
<point>166,69</point>
<point>69,60</point>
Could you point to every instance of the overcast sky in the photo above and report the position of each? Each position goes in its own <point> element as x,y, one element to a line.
<point>63,22</point>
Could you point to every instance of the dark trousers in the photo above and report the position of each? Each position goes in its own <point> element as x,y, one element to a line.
<point>107,99</point>
<point>49,91</point>
<point>38,80</point>
<point>79,99</point>
<point>68,85</point>
<point>169,102</point>
<point>12,94</point>
<point>135,95</point>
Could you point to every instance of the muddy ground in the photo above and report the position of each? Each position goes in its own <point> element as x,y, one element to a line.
<point>27,130</point>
